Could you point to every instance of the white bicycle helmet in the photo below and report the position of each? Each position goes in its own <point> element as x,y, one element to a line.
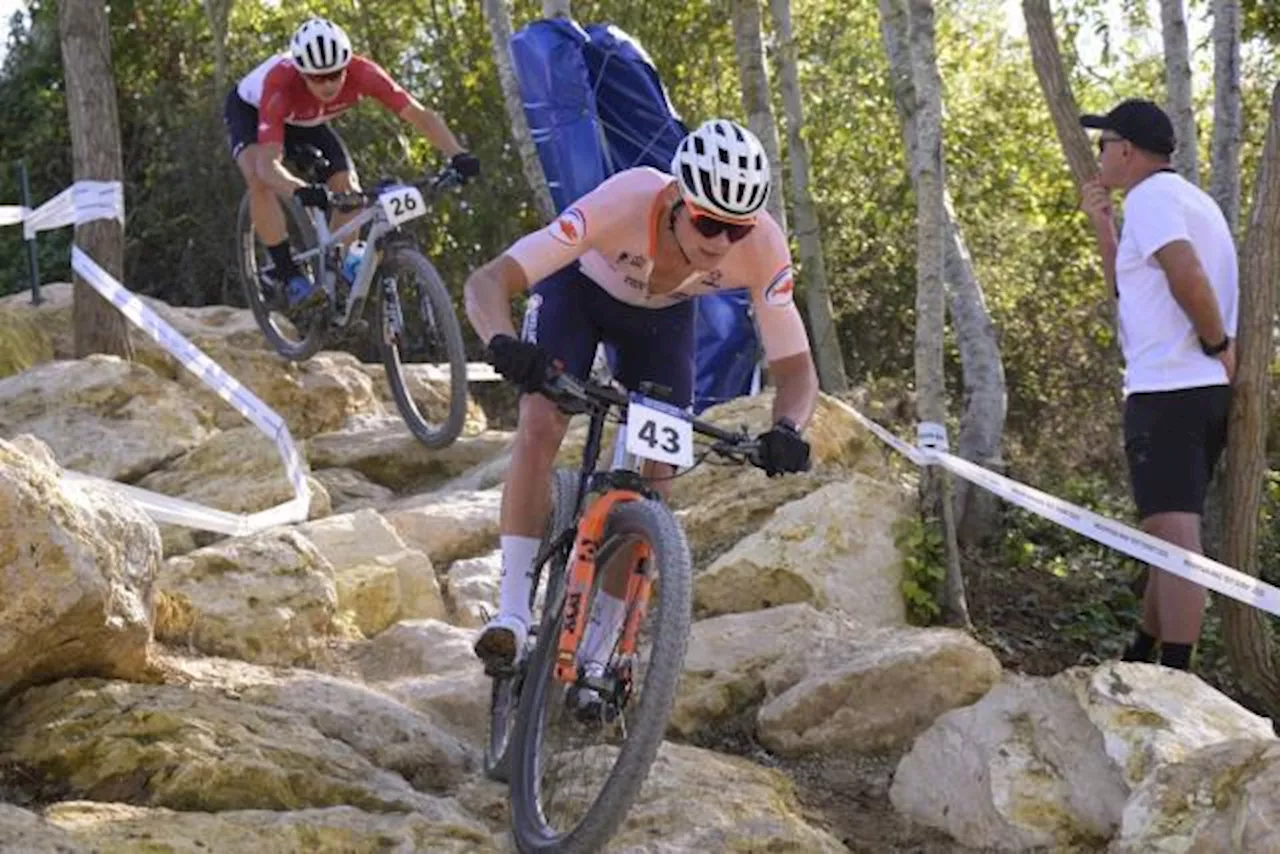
<point>722,168</point>
<point>320,47</point>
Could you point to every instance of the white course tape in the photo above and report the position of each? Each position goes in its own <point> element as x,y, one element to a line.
<point>89,200</point>
<point>82,202</point>
<point>1137,544</point>
<point>225,386</point>
<point>13,214</point>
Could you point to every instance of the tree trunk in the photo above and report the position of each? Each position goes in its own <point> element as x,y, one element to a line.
<point>1047,60</point>
<point>1225,183</point>
<point>556,9</point>
<point>95,156</point>
<point>1250,643</point>
<point>931,229</point>
<point>499,18</point>
<point>217,11</point>
<point>812,271</point>
<point>754,78</point>
<point>1177,74</point>
<point>982,421</point>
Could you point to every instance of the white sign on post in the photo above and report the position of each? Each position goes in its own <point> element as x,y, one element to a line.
<point>659,431</point>
<point>402,204</point>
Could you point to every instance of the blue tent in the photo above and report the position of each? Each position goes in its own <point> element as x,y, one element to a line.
<point>595,106</point>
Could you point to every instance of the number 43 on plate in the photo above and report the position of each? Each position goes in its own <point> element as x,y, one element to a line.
<point>659,431</point>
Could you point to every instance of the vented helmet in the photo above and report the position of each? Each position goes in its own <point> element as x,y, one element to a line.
<point>722,169</point>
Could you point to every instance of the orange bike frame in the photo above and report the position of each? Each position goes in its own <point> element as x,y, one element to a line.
<point>582,575</point>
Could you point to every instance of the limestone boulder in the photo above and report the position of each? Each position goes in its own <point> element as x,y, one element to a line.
<point>383,450</point>
<point>238,470</point>
<point>79,569</point>
<point>103,416</point>
<point>472,587</point>
<point>120,828</point>
<point>430,389</point>
<point>449,526</point>
<point>167,746</point>
<point>350,491</point>
<point>270,598</point>
<point>378,578</point>
<point>28,832</point>
<point>1051,762</point>
<point>834,548</point>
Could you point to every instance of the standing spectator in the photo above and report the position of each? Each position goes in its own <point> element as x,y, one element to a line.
<point>1173,271</point>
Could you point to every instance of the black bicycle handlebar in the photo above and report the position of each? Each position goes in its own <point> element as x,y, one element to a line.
<point>574,395</point>
<point>445,179</point>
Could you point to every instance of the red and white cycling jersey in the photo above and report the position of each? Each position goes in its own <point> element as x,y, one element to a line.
<point>612,233</point>
<point>276,88</point>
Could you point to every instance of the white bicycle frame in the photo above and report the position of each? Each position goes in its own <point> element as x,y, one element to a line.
<point>326,240</point>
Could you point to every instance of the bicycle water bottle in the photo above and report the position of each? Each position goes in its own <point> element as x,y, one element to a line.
<point>351,262</point>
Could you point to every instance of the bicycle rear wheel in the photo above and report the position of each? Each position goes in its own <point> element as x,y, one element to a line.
<point>573,782</point>
<point>294,334</point>
<point>505,697</point>
<point>417,324</point>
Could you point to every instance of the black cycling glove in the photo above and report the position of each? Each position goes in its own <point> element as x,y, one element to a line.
<point>313,196</point>
<point>466,163</point>
<point>782,450</point>
<point>522,363</point>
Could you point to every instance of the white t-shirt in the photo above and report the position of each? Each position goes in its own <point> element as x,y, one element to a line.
<point>1161,350</point>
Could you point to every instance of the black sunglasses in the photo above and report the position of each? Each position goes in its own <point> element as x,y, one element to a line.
<point>1103,140</point>
<point>710,227</point>
<point>327,77</point>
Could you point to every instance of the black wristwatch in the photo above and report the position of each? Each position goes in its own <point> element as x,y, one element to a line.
<point>1215,349</point>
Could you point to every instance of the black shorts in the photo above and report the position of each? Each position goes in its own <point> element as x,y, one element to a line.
<point>241,119</point>
<point>569,315</point>
<point>1173,440</point>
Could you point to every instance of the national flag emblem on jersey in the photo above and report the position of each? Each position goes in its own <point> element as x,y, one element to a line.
<point>570,227</point>
<point>781,289</point>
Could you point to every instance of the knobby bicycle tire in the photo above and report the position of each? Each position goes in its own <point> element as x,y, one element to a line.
<point>505,695</point>
<point>302,236</point>
<point>653,522</point>
<point>437,309</point>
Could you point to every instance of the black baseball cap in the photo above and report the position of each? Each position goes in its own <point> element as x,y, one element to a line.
<point>1141,122</point>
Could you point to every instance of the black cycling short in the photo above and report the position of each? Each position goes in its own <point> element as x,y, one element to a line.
<point>1173,440</point>
<point>569,314</point>
<point>241,119</point>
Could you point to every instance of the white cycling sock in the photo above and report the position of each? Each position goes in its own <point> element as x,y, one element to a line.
<point>517,575</point>
<point>607,614</point>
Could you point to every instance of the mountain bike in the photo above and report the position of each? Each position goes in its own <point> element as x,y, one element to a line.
<point>414,316</point>
<point>561,706</point>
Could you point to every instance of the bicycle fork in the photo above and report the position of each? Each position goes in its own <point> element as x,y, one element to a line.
<point>582,572</point>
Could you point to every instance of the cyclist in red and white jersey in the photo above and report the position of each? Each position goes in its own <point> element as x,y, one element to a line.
<point>288,102</point>
<point>621,265</point>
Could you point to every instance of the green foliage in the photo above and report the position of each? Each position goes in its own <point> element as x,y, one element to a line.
<point>924,568</point>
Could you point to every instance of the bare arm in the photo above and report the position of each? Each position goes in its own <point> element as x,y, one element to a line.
<point>1190,287</point>
<point>488,294</point>
<point>797,383</point>
<point>430,125</point>
<point>270,169</point>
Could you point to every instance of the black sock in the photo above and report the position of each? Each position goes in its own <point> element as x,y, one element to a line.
<point>1176,655</point>
<point>282,258</point>
<point>1141,649</point>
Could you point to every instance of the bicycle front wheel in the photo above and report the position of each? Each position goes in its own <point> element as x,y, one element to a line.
<point>296,334</point>
<point>575,777</point>
<point>421,346</point>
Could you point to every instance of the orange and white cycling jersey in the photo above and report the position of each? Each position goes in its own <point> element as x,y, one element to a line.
<point>612,232</point>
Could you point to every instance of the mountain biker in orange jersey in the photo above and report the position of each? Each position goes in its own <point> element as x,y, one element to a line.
<point>622,265</point>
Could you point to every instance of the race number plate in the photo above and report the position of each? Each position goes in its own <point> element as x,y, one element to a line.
<point>402,204</point>
<point>659,431</point>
